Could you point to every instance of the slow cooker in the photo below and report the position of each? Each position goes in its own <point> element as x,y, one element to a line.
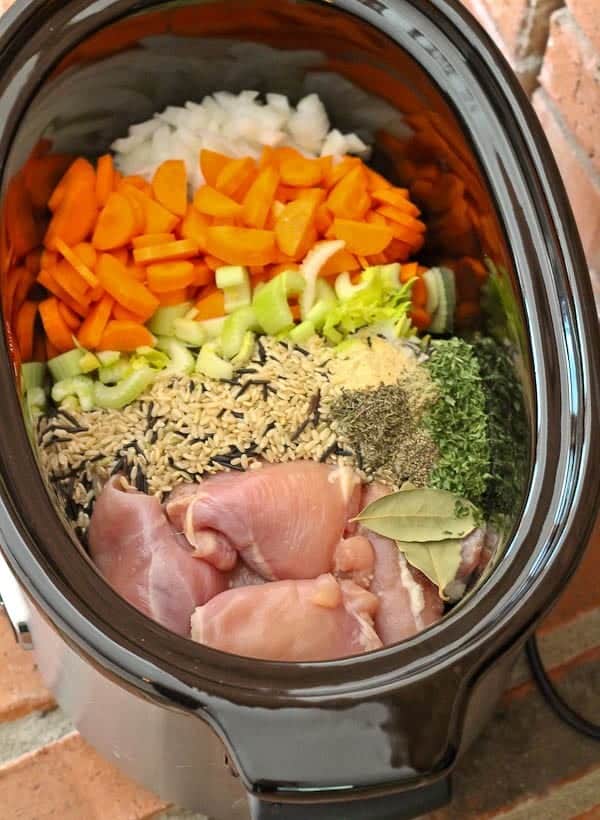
<point>374,736</point>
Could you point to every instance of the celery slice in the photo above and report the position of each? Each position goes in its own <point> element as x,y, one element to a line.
<point>89,363</point>
<point>82,387</point>
<point>231,276</point>
<point>114,373</point>
<point>246,351</point>
<point>213,327</point>
<point>302,332</point>
<point>189,332</point>
<point>234,330</point>
<point>36,398</point>
<point>212,365</point>
<point>108,357</point>
<point>67,365</point>
<point>126,391</point>
<point>271,302</point>
<point>33,374</point>
<point>390,275</point>
<point>161,324</point>
<point>181,360</point>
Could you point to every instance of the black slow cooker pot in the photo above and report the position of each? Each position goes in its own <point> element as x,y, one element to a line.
<point>374,736</point>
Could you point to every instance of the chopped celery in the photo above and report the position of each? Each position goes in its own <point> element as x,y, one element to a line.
<point>33,374</point>
<point>237,297</point>
<point>326,300</point>
<point>235,327</point>
<point>149,356</point>
<point>344,289</point>
<point>108,357</point>
<point>67,365</point>
<point>126,391</point>
<point>212,327</point>
<point>89,363</point>
<point>80,386</point>
<point>231,276</point>
<point>36,398</point>
<point>115,372</point>
<point>315,259</point>
<point>161,324</point>
<point>181,360</point>
<point>71,403</point>
<point>246,351</point>
<point>390,275</point>
<point>212,365</point>
<point>271,302</point>
<point>302,332</point>
<point>190,332</point>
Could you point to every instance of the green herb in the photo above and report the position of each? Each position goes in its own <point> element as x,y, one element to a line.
<point>422,515</point>
<point>507,427</point>
<point>457,421</point>
<point>500,305</point>
<point>438,560</point>
<point>380,425</point>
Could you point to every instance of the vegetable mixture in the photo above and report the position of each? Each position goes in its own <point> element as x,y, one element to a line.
<point>262,315</point>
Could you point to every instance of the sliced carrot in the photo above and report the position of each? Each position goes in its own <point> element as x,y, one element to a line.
<point>75,216</point>
<point>149,239</point>
<point>213,263</point>
<point>404,234</point>
<point>171,251</point>
<point>173,297</point>
<point>398,251</point>
<point>349,198</point>
<point>55,326</point>
<point>135,199</point>
<point>340,262</point>
<point>285,193</point>
<point>24,325</point>
<point>203,275</point>
<point>157,218</point>
<point>282,268</point>
<point>340,170</point>
<point>124,289</point>
<point>51,351</point>
<point>136,181</point>
<point>70,281</point>
<point>170,186</point>
<point>125,336</point>
<point>301,172</point>
<point>117,179</point>
<point>323,219</point>
<point>420,318</point>
<point>86,252</point>
<point>137,272</point>
<point>258,200</point>
<point>236,176</point>
<point>105,172</point>
<point>33,260</point>
<point>408,272</point>
<point>76,263</point>
<point>375,182</point>
<point>211,305</point>
<point>241,246</point>
<point>375,218</point>
<point>362,238</point>
<point>311,193</point>
<point>95,323</point>
<point>48,259</point>
<point>116,224</point>
<point>167,276</point>
<point>283,153</point>
<point>419,293</point>
<point>295,224</point>
<point>404,219</point>
<point>47,281</point>
<point>72,320</point>
<point>42,175</point>
<point>211,202</point>
<point>211,165</point>
<point>22,227</point>
<point>122,315</point>
<point>398,198</point>
<point>194,227</point>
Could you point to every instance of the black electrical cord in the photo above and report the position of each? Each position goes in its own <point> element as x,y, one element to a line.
<point>554,700</point>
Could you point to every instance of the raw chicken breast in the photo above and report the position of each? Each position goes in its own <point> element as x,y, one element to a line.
<point>408,601</point>
<point>285,519</point>
<point>290,621</point>
<point>143,559</point>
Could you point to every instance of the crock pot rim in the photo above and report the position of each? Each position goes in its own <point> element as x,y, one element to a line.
<point>76,625</point>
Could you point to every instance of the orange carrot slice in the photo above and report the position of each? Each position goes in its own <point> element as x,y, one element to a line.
<point>116,224</point>
<point>55,326</point>
<point>402,218</point>
<point>408,272</point>
<point>86,252</point>
<point>167,276</point>
<point>137,206</point>
<point>258,200</point>
<point>213,263</point>
<point>211,305</point>
<point>137,272</point>
<point>211,165</point>
<point>24,325</point>
<point>301,172</point>
<point>398,197</point>
<point>147,240</point>
<point>22,227</point>
<point>124,289</point>
<point>241,246</point>
<point>170,186</point>
<point>120,314</point>
<point>173,297</point>
<point>362,238</point>
<point>235,176</point>
<point>340,170</point>
<point>398,251</point>
<point>349,199</point>
<point>194,227</point>
<point>86,274</point>
<point>75,216</point>
<point>105,179</point>
<point>42,175</point>
<point>211,202</point>
<point>70,281</point>
<point>125,336</point>
<point>171,251</point>
<point>294,224</point>
<point>72,320</point>
<point>340,262</point>
<point>95,323</point>
<point>33,261</point>
<point>203,275</point>
<point>420,318</point>
<point>47,281</point>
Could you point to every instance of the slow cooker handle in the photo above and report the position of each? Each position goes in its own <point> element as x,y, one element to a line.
<point>404,806</point>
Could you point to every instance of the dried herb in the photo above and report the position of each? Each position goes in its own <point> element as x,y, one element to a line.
<point>422,515</point>
<point>458,422</point>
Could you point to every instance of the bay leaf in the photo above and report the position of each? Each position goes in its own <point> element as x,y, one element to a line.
<point>438,560</point>
<point>420,515</point>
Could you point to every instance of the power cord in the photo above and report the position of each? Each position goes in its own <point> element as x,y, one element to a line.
<point>554,700</point>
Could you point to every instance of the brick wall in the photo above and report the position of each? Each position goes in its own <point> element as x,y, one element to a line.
<point>554,47</point>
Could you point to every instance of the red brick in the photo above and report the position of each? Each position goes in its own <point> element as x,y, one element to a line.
<point>586,14</point>
<point>571,76</point>
<point>523,24</point>
<point>21,688</point>
<point>581,180</point>
<point>67,780</point>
